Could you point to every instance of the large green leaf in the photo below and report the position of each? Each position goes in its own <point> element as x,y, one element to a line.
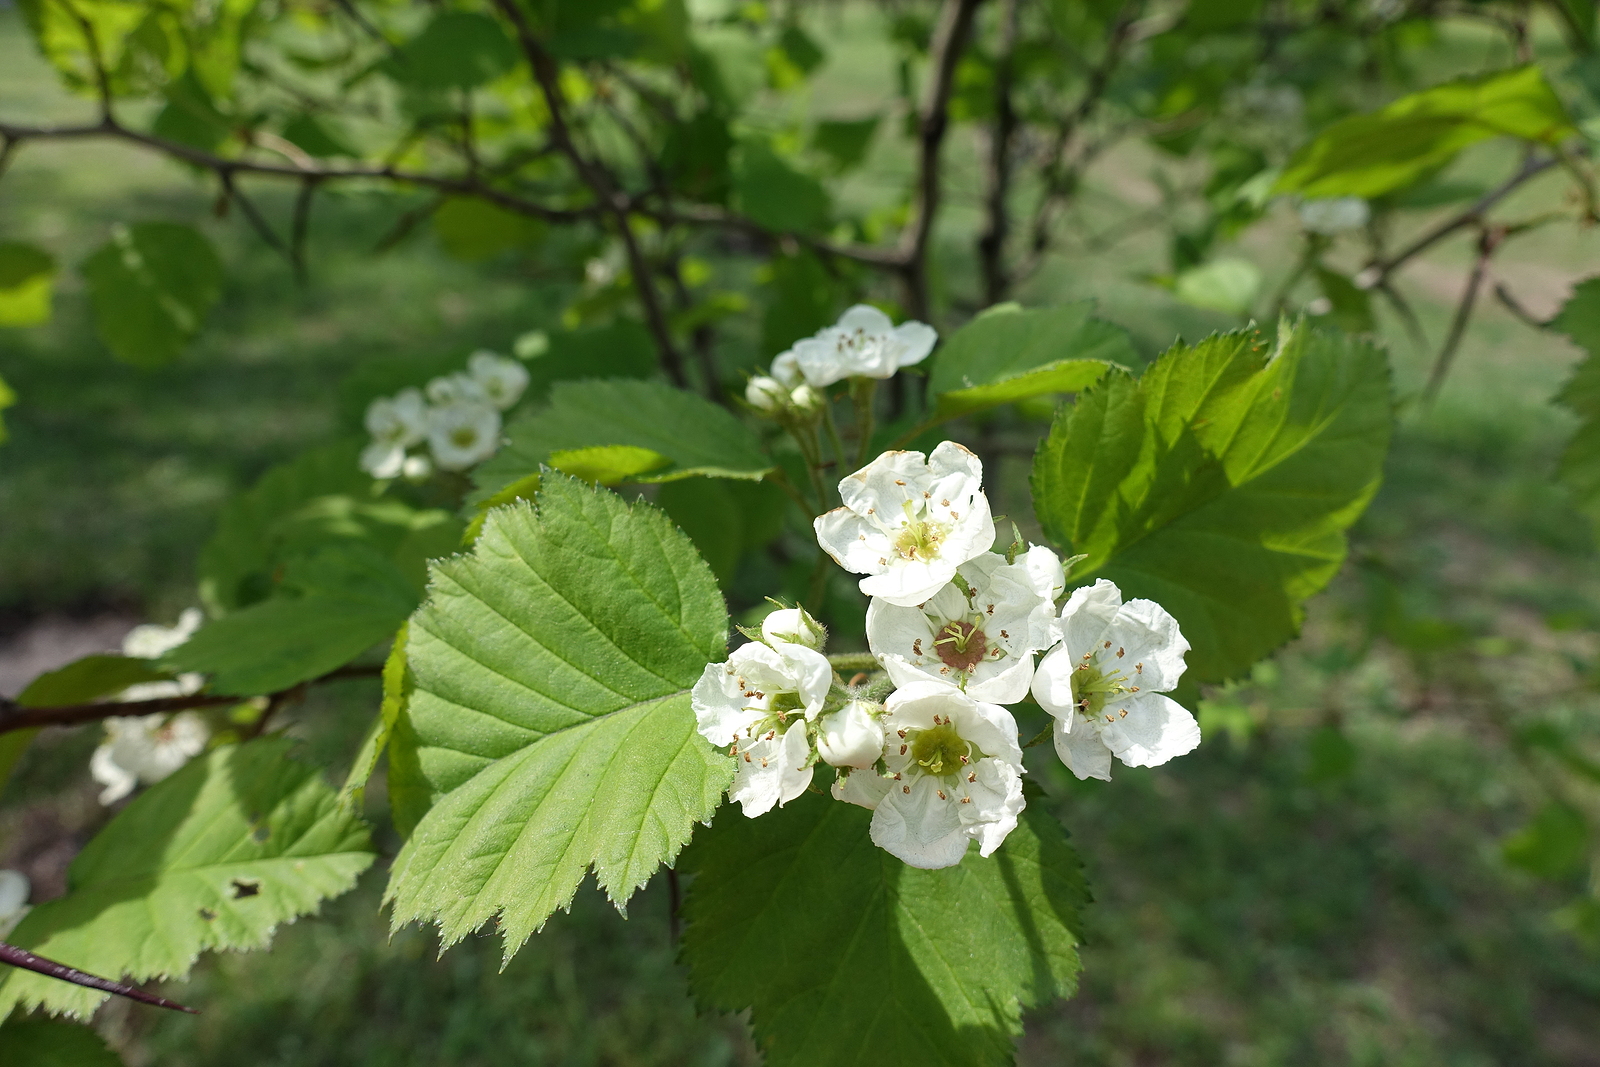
<point>50,1043</point>
<point>619,349</point>
<point>214,857</point>
<point>691,435</point>
<point>334,605</point>
<point>549,712</point>
<point>456,50</point>
<point>847,957</point>
<point>1221,482</point>
<point>1579,319</point>
<point>27,276</point>
<point>1007,354</point>
<point>775,195</point>
<point>1369,155</point>
<point>89,678</point>
<point>151,286</point>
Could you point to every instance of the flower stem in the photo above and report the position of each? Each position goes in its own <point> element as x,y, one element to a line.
<point>833,434</point>
<point>853,661</point>
<point>863,392</point>
<point>1043,735</point>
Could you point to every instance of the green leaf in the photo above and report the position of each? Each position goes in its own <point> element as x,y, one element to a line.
<point>1554,845</point>
<point>13,743</point>
<point>337,603</point>
<point>473,229</point>
<point>89,678</point>
<point>550,712</point>
<point>52,1043</point>
<point>151,287</point>
<point>214,857</point>
<point>725,519</point>
<point>1579,319</point>
<point>457,50</point>
<point>395,695</point>
<point>847,957</point>
<point>7,398</point>
<point>316,136</point>
<point>696,436</point>
<point>1220,483</point>
<point>1007,354</point>
<point>804,298</point>
<point>845,141</point>
<point>1227,285</point>
<point>1350,308</point>
<point>619,349</point>
<point>1370,155</point>
<point>27,279</point>
<point>608,464</point>
<point>773,193</point>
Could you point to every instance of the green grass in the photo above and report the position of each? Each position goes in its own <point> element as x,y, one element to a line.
<point>1323,886</point>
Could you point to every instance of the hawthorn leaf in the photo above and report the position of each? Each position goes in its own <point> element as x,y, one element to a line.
<point>1579,319</point>
<point>150,287</point>
<point>53,1043</point>
<point>1220,483</point>
<point>1370,155</point>
<point>89,678</point>
<point>1007,354</point>
<point>27,278</point>
<point>846,956</point>
<point>549,712</point>
<point>845,142</point>
<point>214,857</point>
<point>456,50</point>
<point>354,792</point>
<point>767,188</point>
<point>473,229</point>
<point>694,435</point>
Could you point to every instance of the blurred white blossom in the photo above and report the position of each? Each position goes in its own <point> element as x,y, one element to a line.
<point>864,343</point>
<point>144,750</point>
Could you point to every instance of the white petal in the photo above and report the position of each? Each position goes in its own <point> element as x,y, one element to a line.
<point>910,583</point>
<point>1150,636</point>
<point>914,825</point>
<point>382,460</point>
<point>865,788</point>
<point>851,736</point>
<point>996,801</point>
<point>118,781</point>
<point>1044,567</point>
<point>14,890</point>
<point>1080,748</point>
<point>1155,730</point>
<point>1007,686</point>
<point>810,671</point>
<point>786,368</point>
<point>769,773</point>
<point>1052,682</point>
<point>1087,615</point>
<point>915,341</point>
<point>863,317</point>
<point>794,626</point>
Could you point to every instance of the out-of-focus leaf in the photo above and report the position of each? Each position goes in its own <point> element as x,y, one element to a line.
<point>1227,285</point>
<point>1554,845</point>
<point>725,519</point>
<point>89,678</point>
<point>729,65</point>
<point>619,349</point>
<point>191,116</point>
<point>7,398</point>
<point>456,50</point>
<point>1370,155</point>
<point>27,278</point>
<point>53,1043</point>
<point>215,857</point>
<point>804,299</point>
<point>1349,308</point>
<point>696,436</point>
<point>773,193</point>
<point>695,156</point>
<point>1579,319</point>
<point>316,137</point>
<point>151,287</point>
<point>1007,354</point>
<point>377,739</point>
<point>473,229</point>
<point>845,141</point>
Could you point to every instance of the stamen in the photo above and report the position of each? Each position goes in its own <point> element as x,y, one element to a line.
<point>1119,653</point>
<point>941,795</point>
<point>905,789</point>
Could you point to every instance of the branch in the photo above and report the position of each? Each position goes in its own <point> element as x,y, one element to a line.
<point>595,175</point>
<point>1470,217</point>
<point>992,243</point>
<point>14,716</point>
<point>949,37</point>
<point>1488,241</point>
<point>1515,306</point>
<point>19,957</point>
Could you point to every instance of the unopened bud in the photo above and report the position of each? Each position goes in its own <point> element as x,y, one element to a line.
<point>806,400</point>
<point>851,736</point>
<point>766,395</point>
<point>416,468</point>
<point>794,625</point>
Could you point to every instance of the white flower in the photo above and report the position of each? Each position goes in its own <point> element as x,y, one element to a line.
<point>456,388</point>
<point>806,400</point>
<point>766,395</point>
<point>462,434</point>
<point>759,703</point>
<point>851,736</point>
<point>416,468</point>
<point>383,460</point>
<point>396,423</point>
<point>1334,214</point>
<point>145,749</point>
<point>954,776</point>
<point>14,890</point>
<point>152,641</point>
<point>978,633</point>
<point>864,343</point>
<point>795,626</point>
<point>1104,682</point>
<point>502,380</point>
<point>909,521</point>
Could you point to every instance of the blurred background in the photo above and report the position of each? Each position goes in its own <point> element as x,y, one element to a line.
<point>1352,869</point>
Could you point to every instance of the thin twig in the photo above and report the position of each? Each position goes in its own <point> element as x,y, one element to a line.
<point>300,228</point>
<point>1487,242</point>
<point>992,242</point>
<point>21,957</point>
<point>1472,216</point>
<point>258,222</point>
<point>1515,306</point>
<point>1408,317</point>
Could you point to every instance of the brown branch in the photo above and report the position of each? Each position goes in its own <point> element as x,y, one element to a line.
<point>949,38</point>
<point>1488,241</point>
<point>1472,216</point>
<point>15,716</point>
<point>1517,309</point>
<point>299,229</point>
<point>598,178</point>
<point>220,164</point>
<point>258,222</point>
<point>992,242</point>
<point>20,957</point>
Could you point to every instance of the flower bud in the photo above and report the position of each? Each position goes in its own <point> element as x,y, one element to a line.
<point>794,625</point>
<point>806,400</point>
<point>851,737</point>
<point>766,395</point>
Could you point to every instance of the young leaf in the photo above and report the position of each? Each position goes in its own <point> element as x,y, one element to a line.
<point>27,276</point>
<point>550,712</point>
<point>89,678</point>
<point>151,286</point>
<point>336,604</point>
<point>1370,155</point>
<point>214,857</point>
<point>1007,354</point>
<point>846,956</point>
<point>696,436</point>
<point>52,1043</point>
<point>1220,483</point>
<point>845,141</point>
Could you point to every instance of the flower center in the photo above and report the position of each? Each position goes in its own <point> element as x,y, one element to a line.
<point>939,750</point>
<point>919,539</point>
<point>1092,688</point>
<point>783,703</point>
<point>961,645</point>
<point>463,436</point>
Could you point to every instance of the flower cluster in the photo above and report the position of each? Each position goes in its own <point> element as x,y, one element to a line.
<point>956,627</point>
<point>458,419</point>
<point>864,343</point>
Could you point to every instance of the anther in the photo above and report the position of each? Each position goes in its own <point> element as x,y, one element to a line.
<point>905,789</point>
<point>966,800</point>
<point>1108,644</point>
<point>1119,653</point>
<point>963,759</point>
<point>903,749</point>
<point>747,757</point>
<point>941,795</point>
<point>902,733</point>
<point>973,777</point>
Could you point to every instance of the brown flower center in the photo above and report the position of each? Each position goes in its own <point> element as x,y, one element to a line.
<point>961,645</point>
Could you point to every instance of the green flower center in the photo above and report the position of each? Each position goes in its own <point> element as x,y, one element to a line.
<point>939,750</point>
<point>1092,688</point>
<point>463,436</point>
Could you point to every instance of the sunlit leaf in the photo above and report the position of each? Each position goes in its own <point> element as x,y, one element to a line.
<point>27,279</point>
